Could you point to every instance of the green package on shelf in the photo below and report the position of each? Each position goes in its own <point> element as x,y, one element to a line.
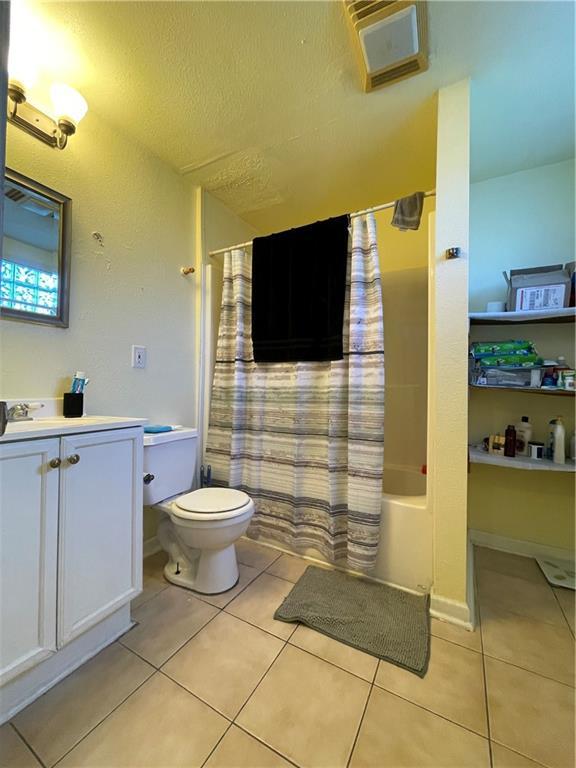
<point>488,348</point>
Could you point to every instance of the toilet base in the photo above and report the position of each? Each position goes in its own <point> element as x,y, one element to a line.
<point>210,572</point>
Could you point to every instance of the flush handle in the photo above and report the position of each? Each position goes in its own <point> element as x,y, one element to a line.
<point>148,478</point>
<point>74,459</point>
<point>54,463</point>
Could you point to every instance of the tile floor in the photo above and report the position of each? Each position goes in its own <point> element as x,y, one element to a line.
<point>217,682</point>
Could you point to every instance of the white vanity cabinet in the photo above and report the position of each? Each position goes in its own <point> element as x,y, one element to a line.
<point>100,542</point>
<point>70,551</point>
<point>28,554</point>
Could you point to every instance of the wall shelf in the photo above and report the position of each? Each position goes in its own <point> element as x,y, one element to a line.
<point>527,390</point>
<point>564,315</point>
<point>478,456</point>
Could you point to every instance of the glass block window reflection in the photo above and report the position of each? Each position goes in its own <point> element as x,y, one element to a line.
<point>28,289</point>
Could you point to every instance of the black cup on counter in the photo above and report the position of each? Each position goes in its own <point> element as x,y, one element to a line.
<point>73,405</point>
<point>3,417</point>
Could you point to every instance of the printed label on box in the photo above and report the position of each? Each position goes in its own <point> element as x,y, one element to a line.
<point>540,297</point>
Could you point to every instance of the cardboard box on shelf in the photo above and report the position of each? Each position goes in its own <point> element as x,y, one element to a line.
<point>538,288</point>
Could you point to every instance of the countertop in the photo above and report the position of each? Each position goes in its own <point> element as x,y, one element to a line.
<point>58,425</point>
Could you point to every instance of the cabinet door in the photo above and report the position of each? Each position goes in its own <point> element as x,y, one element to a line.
<point>28,554</point>
<point>100,551</point>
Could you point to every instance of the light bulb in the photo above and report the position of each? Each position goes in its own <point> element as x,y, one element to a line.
<point>21,69</point>
<point>68,103</point>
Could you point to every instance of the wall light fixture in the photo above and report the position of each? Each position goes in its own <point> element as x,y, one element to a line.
<point>69,106</point>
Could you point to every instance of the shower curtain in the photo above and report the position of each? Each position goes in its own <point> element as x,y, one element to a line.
<point>305,440</point>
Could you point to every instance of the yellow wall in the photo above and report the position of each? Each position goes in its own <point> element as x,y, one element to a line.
<point>524,219</point>
<point>127,292</point>
<point>531,506</point>
<point>448,343</point>
<point>404,270</point>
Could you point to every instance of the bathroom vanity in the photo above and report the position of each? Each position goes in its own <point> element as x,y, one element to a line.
<point>70,546</point>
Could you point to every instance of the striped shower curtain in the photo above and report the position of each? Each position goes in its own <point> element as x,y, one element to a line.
<point>305,440</point>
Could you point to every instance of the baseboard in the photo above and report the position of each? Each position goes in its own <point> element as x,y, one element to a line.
<point>151,546</point>
<point>27,687</point>
<point>453,611</point>
<point>518,546</point>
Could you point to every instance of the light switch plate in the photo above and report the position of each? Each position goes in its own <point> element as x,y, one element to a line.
<point>138,356</point>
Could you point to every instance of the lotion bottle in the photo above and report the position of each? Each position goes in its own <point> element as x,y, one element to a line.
<point>558,441</point>
<point>523,436</point>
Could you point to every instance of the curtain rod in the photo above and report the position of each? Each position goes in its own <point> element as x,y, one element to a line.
<point>431,193</point>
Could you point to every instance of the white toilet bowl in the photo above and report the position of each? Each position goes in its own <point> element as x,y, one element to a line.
<point>198,531</point>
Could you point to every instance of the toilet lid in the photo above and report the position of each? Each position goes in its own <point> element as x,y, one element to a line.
<point>211,500</point>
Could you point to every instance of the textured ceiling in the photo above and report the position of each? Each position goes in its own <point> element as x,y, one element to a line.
<point>260,101</point>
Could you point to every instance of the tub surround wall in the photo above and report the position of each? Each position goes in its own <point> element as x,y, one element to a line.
<point>404,270</point>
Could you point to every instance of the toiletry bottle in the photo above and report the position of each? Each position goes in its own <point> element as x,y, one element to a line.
<point>523,436</point>
<point>78,382</point>
<point>510,441</point>
<point>557,441</point>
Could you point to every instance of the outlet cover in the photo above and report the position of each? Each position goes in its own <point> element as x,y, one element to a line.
<point>138,357</point>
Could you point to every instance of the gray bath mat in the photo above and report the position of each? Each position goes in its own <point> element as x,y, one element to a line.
<point>380,620</point>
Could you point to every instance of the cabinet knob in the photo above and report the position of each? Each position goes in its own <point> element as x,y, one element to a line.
<point>74,459</point>
<point>54,463</point>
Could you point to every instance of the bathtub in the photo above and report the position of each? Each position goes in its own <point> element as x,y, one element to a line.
<point>405,551</point>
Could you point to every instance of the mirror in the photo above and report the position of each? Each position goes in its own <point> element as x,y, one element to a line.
<point>35,258</point>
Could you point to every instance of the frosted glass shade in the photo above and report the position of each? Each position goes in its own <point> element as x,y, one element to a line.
<point>68,103</point>
<point>21,67</point>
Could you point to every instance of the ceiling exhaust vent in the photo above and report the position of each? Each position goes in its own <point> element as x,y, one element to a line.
<point>390,38</point>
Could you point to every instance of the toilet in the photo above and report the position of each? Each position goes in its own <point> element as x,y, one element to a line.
<point>197,528</point>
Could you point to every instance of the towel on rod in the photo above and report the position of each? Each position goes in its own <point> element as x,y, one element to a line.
<point>408,211</point>
<point>298,291</point>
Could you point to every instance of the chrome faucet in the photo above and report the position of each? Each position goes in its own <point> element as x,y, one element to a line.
<point>19,411</point>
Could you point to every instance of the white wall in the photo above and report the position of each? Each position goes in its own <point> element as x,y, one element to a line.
<point>127,292</point>
<point>525,219</point>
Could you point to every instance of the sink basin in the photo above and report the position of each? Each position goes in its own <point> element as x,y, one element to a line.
<point>55,425</point>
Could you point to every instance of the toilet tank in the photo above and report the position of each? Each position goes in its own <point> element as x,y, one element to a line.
<point>171,458</point>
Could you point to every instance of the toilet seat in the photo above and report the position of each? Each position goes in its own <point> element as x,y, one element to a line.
<point>211,504</point>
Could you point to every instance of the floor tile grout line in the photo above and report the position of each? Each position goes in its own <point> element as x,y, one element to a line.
<point>261,741</point>
<point>495,607</point>
<point>333,663</point>
<point>356,737</point>
<point>431,711</point>
<point>531,671</point>
<point>195,695</point>
<point>124,700</point>
<point>527,757</point>
<point>147,600</point>
<point>29,746</point>
<point>131,650</point>
<point>215,747</point>
<point>192,636</point>
<point>460,645</point>
<point>221,607</point>
<point>486,704</point>
<point>158,668</point>
<point>563,612</point>
<point>261,680</point>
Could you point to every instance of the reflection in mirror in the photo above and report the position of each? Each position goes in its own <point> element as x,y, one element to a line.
<point>35,252</point>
